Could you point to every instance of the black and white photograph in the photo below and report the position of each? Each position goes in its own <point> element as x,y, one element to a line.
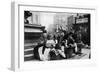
<point>50,36</point>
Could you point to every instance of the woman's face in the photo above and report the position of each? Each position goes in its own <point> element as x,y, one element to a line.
<point>45,35</point>
<point>62,33</point>
<point>51,36</point>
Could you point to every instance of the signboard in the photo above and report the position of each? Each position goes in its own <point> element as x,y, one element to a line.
<point>82,20</point>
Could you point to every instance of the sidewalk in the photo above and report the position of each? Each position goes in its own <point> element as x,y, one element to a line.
<point>85,54</point>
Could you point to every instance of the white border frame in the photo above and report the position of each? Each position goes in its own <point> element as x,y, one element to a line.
<point>17,54</point>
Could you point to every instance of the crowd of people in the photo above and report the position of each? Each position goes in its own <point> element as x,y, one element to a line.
<point>58,46</point>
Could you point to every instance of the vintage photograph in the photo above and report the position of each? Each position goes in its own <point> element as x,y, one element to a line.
<point>50,36</point>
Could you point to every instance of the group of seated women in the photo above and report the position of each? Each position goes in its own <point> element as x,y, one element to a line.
<point>57,48</point>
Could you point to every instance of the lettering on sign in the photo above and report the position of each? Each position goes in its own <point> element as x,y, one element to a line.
<point>83,20</point>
